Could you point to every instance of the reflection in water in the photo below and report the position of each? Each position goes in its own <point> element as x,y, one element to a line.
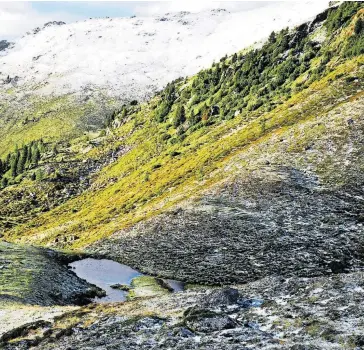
<point>104,273</point>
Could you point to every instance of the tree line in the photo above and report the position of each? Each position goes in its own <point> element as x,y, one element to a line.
<point>21,160</point>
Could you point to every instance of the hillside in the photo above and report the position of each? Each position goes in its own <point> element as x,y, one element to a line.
<point>248,173</point>
<point>163,151</point>
<point>61,80</point>
<point>234,123</point>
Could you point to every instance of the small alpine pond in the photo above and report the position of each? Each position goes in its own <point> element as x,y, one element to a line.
<point>106,273</point>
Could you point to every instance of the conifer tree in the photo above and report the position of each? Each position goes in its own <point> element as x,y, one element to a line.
<point>180,116</point>
<point>359,26</point>
<point>7,161</point>
<point>29,157</point>
<point>14,163</point>
<point>272,37</point>
<point>22,160</point>
<point>35,155</point>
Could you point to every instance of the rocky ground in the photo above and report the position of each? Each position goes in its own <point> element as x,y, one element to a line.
<point>275,232</point>
<point>35,276</point>
<point>272,313</point>
<point>300,230</point>
<point>288,224</point>
<point>293,207</point>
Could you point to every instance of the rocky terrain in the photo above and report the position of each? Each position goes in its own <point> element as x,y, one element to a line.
<point>37,276</point>
<point>245,181</point>
<point>270,218</point>
<point>272,313</point>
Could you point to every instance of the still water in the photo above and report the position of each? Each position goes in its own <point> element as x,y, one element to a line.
<point>104,273</point>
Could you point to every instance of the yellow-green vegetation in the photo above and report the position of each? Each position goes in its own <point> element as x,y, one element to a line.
<point>59,118</point>
<point>133,188</point>
<point>145,286</point>
<point>183,141</point>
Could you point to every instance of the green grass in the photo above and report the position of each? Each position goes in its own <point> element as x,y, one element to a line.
<point>122,196</point>
<point>162,166</point>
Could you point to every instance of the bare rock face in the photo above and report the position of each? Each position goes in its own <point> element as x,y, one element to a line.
<point>227,296</point>
<point>4,44</point>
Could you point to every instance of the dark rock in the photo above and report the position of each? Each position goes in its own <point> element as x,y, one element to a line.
<point>204,320</point>
<point>359,340</point>
<point>124,287</point>
<point>4,44</point>
<point>23,330</point>
<point>227,296</point>
<point>184,333</point>
<point>54,23</point>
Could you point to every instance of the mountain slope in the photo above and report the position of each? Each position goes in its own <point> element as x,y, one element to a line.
<point>248,174</point>
<point>64,79</point>
<point>131,57</point>
<point>290,156</point>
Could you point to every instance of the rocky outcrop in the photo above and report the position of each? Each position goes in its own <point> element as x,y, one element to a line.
<point>4,44</point>
<point>35,276</point>
<point>272,313</point>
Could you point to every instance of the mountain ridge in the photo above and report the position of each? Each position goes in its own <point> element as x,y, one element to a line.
<point>124,39</point>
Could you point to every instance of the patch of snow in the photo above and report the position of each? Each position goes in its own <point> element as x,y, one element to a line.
<point>133,57</point>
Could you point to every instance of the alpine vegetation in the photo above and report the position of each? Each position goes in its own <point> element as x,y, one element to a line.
<point>212,170</point>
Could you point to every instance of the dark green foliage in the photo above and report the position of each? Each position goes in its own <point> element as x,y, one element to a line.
<point>341,16</point>
<point>175,153</point>
<point>355,44</point>
<point>163,111</point>
<point>54,149</point>
<point>180,116</point>
<point>21,160</point>
<point>259,80</point>
<point>14,163</point>
<point>272,37</point>
<point>359,26</point>
<point>119,114</point>
<point>4,182</point>
<point>35,155</point>
<point>168,98</point>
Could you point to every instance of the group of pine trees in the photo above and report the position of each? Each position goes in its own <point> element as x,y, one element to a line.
<point>17,162</point>
<point>260,78</point>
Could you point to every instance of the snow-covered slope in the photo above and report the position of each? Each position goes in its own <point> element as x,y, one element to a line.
<point>132,57</point>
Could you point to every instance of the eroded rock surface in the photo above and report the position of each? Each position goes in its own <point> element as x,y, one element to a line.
<point>272,313</point>
<point>253,229</point>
